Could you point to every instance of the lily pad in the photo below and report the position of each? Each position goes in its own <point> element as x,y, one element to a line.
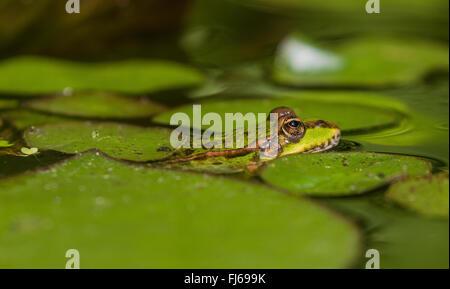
<point>339,174</point>
<point>120,141</point>
<point>98,206</point>
<point>8,103</point>
<point>33,75</point>
<point>24,118</point>
<point>358,62</point>
<point>5,144</point>
<point>351,111</point>
<point>96,105</point>
<point>427,195</point>
<point>29,151</point>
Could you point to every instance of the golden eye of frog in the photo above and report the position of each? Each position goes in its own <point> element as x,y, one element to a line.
<point>294,137</point>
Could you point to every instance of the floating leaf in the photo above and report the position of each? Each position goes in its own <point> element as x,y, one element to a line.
<point>23,118</point>
<point>117,140</point>
<point>351,111</point>
<point>337,174</point>
<point>96,105</point>
<point>99,206</point>
<point>29,151</point>
<point>427,195</point>
<point>32,75</point>
<point>358,62</point>
<point>5,144</point>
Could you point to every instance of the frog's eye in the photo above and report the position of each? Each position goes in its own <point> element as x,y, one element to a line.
<point>293,129</point>
<point>294,123</point>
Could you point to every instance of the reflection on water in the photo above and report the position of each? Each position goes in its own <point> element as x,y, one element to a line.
<point>300,56</point>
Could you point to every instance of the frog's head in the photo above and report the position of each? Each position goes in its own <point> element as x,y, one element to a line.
<point>296,136</point>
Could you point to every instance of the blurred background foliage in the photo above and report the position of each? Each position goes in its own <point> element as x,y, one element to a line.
<point>215,32</point>
<point>104,29</point>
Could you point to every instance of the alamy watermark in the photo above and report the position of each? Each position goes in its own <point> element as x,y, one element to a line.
<point>74,259</point>
<point>250,130</point>
<point>373,6</point>
<point>374,261</point>
<point>73,6</point>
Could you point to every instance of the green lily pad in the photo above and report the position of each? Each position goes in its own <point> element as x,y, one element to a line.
<point>23,118</point>
<point>427,195</point>
<point>29,151</point>
<point>120,141</point>
<point>5,144</point>
<point>8,103</point>
<point>96,105</point>
<point>97,206</point>
<point>358,62</point>
<point>338,174</point>
<point>351,111</point>
<point>33,75</point>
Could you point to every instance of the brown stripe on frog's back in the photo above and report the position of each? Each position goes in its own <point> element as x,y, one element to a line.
<point>232,153</point>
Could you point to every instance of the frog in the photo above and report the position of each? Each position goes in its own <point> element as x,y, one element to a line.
<point>294,136</point>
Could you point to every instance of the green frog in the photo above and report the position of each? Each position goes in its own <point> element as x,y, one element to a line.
<point>293,137</point>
